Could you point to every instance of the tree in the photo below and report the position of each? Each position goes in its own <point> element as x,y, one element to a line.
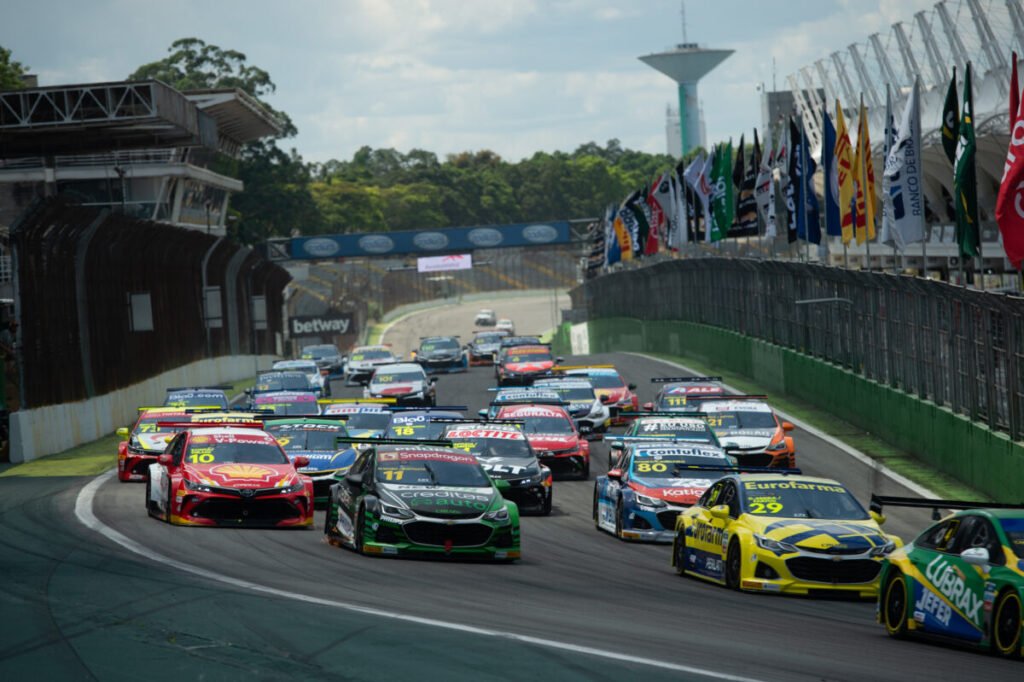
<point>10,71</point>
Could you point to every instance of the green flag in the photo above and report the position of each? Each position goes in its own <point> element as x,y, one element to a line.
<point>644,228</point>
<point>965,183</point>
<point>951,121</point>
<point>723,204</point>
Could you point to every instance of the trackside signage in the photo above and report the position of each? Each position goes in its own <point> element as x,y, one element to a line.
<point>320,325</point>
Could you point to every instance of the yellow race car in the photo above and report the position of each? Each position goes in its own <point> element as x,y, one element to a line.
<point>782,533</point>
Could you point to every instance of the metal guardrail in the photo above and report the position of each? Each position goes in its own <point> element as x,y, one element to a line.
<point>959,348</point>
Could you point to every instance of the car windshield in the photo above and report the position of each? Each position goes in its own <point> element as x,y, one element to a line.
<point>487,338</point>
<point>439,344</point>
<point>605,381</point>
<point>676,465</point>
<point>434,473</point>
<point>377,421</point>
<point>556,425</point>
<point>196,399</point>
<point>150,435</point>
<point>234,452</point>
<point>317,352</point>
<point>1014,529</point>
<point>801,500</point>
<point>528,356</point>
<point>492,447</point>
<point>746,419</point>
<point>420,429</point>
<point>307,436</point>
<point>291,381</point>
<point>288,407</point>
<point>397,377</point>
<point>370,355</point>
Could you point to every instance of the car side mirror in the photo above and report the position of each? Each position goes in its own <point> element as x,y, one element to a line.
<point>614,474</point>
<point>354,480</point>
<point>165,460</point>
<point>787,426</point>
<point>631,387</point>
<point>123,433</point>
<point>248,391</point>
<point>301,461</point>
<point>649,407</point>
<point>615,444</point>
<point>976,556</point>
<point>559,359</point>
<point>720,511</point>
<point>482,413</point>
<point>877,517</point>
<point>433,380</point>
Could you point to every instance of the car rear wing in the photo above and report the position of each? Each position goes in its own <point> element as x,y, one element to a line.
<point>682,380</point>
<point>482,422</point>
<point>254,424</point>
<point>563,368</point>
<point>434,408</point>
<point>738,396</point>
<point>880,501</point>
<point>528,401</point>
<point>491,331</point>
<point>679,414</point>
<point>357,401</point>
<point>659,439</point>
<point>394,441</point>
<point>200,388</point>
<point>187,410</point>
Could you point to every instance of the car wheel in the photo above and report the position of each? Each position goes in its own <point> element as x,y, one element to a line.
<point>679,551</point>
<point>360,524</point>
<point>150,507</point>
<point>894,605</point>
<point>167,505</point>
<point>1006,624</point>
<point>733,566</point>
<point>585,472</point>
<point>330,519</point>
<point>596,511</point>
<point>618,519</point>
<point>546,507</point>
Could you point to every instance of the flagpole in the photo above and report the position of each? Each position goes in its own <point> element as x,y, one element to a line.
<point>924,250</point>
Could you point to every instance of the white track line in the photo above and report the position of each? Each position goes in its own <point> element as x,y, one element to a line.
<point>83,510</point>
<point>835,442</point>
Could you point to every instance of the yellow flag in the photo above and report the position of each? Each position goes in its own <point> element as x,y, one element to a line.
<point>864,172</point>
<point>844,174</point>
<point>622,234</point>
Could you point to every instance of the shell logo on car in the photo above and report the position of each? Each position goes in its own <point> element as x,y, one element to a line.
<point>245,471</point>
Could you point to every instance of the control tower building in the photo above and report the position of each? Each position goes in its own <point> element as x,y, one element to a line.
<point>686,65</point>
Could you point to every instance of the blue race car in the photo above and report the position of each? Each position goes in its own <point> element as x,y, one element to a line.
<point>315,439</point>
<point>517,395</point>
<point>441,354</point>
<point>364,418</point>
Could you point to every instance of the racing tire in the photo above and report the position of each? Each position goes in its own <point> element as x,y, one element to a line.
<point>894,605</point>
<point>545,508</point>
<point>585,472</point>
<point>359,529</point>
<point>150,507</point>
<point>618,519</point>
<point>596,510</point>
<point>679,552</point>
<point>733,565</point>
<point>1006,625</point>
<point>330,519</point>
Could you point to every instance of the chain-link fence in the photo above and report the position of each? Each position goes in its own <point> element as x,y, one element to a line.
<point>956,347</point>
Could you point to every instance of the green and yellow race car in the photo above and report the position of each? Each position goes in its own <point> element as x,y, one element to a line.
<point>962,579</point>
<point>782,533</point>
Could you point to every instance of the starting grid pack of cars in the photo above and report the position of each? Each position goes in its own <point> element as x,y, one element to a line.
<point>711,474</point>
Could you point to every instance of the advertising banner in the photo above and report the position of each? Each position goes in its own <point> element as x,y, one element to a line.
<point>328,324</point>
<point>441,263</point>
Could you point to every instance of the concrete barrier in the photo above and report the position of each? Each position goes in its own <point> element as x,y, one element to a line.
<point>951,443</point>
<point>42,431</point>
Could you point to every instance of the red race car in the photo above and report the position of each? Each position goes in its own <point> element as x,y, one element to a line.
<point>229,475</point>
<point>610,387</point>
<point>554,438</point>
<point>523,364</point>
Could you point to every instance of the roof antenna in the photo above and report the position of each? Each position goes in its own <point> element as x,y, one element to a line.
<point>682,11</point>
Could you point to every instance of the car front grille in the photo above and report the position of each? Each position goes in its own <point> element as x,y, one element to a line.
<point>440,534</point>
<point>667,518</point>
<point>222,509</point>
<point>841,572</point>
<point>760,459</point>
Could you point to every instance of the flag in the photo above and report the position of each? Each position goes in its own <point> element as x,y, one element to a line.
<point>638,205</point>
<point>765,188</point>
<point>1010,203</point>
<point>903,174</point>
<point>745,224</point>
<point>702,192</point>
<point>830,176</point>
<point>888,138</point>
<point>965,181</point>
<point>794,222</point>
<point>808,222</point>
<point>622,232</point>
<point>782,164</point>
<point>660,201</point>
<point>845,177</point>
<point>864,174</point>
<point>723,206</point>
<point>951,121</point>
<point>612,251</point>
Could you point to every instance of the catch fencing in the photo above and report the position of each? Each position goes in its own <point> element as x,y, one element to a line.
<point>106,301</point>
<point>953,346</point>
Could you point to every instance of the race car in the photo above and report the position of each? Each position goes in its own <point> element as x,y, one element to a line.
<point>327,357</point>
<point>317,441</point>
<point>505,325</point>
<point>441,354</point>
<point>364,418</point>
<point>586,409</point>
<point>750,431</point>
<point>228,476</point>
<point>147,438</point>
<point>426,424</point>
<point>663,426</point>
<point>317,381</point>
<point>511,340</point>
<point>287,403</point>
<point>276,381</point>
<point>523,364</point>
<point>610,387</point>
<point>405,382</point>
<point>422,500</point>
<point>961,580</point>
<point>675,396</point>
<point>505,454</point>
<point>782,533</point>
<point>553,437</point>
<point>363,360</point>
<point>485,318</point>
<point>516,395</point>
<point>197,396</point>
<point>484,347</point>
<point>652,483</point>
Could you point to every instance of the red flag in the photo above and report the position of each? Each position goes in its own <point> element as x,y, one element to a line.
<point>1010,203</point>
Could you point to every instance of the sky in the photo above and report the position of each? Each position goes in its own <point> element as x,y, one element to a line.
<point>448,76</point>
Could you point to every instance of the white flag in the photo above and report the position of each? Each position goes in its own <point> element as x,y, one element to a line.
<point>764,188</point>
<point>661,190</point>
<point>703,189</point>
<point>888,140</point>
<point>679,188</point>
<point>903,174</point>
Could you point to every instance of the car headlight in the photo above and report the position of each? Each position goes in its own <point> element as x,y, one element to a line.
<point>595,408</point>
<point>774,546</point>
<point>777,446</point>
<point>882,550</point>
<point>395,512</point>
<point>293,488</point>
<point>198,487</point>
<point>649,501</point>
<point>498,515</point>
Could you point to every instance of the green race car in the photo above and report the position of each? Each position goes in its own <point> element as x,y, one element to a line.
<point>421,499</point>
<point>961,579</point>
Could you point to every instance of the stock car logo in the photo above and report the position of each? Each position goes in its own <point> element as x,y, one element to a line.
<point>540,234</point>
<point>430,241</point>
<point>249,472</point>
<point>485,236</point>
<point>321,247</point>
<point>376,243</point>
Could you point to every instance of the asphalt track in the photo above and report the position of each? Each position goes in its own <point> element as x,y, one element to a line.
<point>78,605</point>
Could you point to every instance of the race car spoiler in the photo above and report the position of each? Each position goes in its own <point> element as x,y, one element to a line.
<point>662,439</point>
<point>739,469</point>
<point>435,408</point>
<point>189,410</point>
<point>563,368</point>
<point>200,388</point>
<point>879,501</point>
<point>673,415</point>
<point>682,380</point>
<point>490,331</point>
<point>527,401</point>
<point>394,441</point>
<point>254,424</point>
<point>356,401</point>
<point>453,420</point>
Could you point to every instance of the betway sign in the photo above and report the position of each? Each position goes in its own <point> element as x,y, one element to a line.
<point>320,325</point>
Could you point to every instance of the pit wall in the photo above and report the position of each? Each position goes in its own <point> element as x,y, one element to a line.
<point>47,430</point>
<point>970,452</point>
